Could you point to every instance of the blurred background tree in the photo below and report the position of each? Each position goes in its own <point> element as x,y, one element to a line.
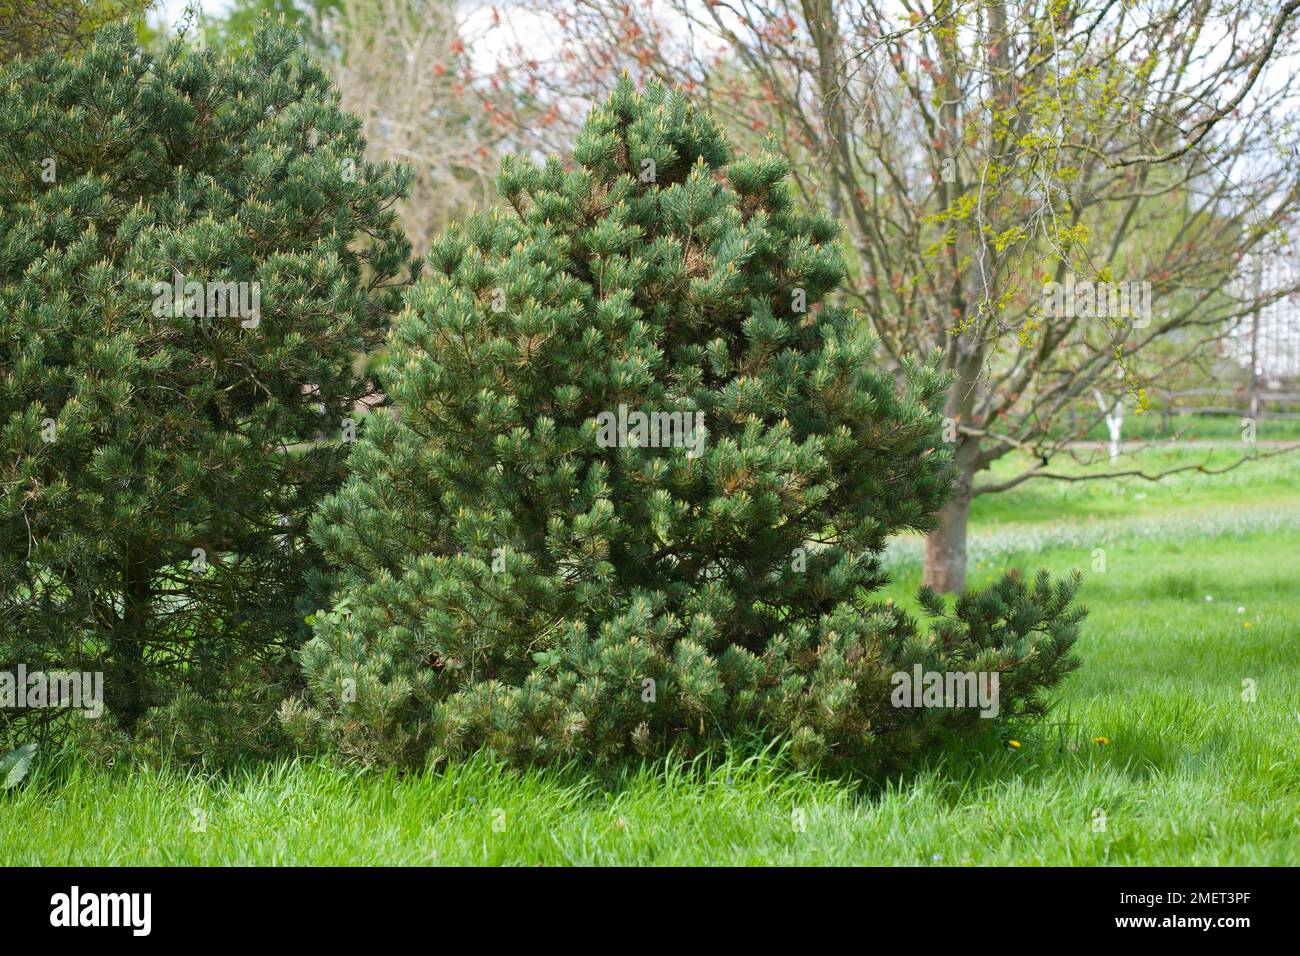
<point>28,27</point>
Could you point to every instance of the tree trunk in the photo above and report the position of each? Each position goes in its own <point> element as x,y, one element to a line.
<point>126,688</point>
<point>1114,416</point>
<point>945,547</point>
<point>1115,427</point>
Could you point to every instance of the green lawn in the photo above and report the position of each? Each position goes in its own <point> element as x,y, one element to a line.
<point>1198,599</point>
<point>1152,425</point>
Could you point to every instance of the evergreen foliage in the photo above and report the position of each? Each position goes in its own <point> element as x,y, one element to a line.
<point>507,581</point>
<point>157,453</point>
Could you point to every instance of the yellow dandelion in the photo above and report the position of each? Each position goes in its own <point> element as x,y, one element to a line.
<point>1101,740</point>
<point>1013,743</point>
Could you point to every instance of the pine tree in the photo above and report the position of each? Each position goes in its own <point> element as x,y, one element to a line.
<point>192,253</point>
<point>527,566</point>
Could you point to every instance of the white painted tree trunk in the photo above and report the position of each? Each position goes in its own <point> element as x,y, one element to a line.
<point>1114,416</point>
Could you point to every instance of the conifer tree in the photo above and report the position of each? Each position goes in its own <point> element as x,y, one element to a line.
<point>192,253</point>
<point>528,565</point>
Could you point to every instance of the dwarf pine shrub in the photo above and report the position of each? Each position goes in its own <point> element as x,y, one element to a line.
<point>192,253</point>
<point>638,481</point>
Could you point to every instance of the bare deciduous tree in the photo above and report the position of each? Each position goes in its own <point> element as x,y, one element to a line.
<point>405,67</point>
